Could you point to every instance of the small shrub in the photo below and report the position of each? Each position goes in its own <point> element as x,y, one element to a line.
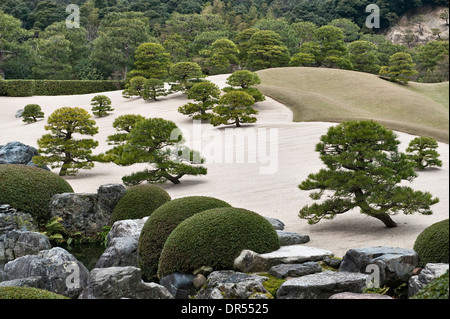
<point>31,113</point>
<point>432,245</point>
<point>30,189</point>
<point>161,224</point>
<point>101,105</point>
<point>215,238</point>
<point>139,201</point>
<point>28,293</point>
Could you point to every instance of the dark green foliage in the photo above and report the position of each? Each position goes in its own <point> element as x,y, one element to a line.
<point>30,189</point>
<point>364,168</point>
<point>28,293</point>
<point>139,201</point>
<point>423,152</point>
<point>31,113</point>
<point>161,224</point>
<point>207,95</point>
<point>432,245</point>
<point>235,107</point>
<point>215,238</point>
<point>101,105</point>
<point>437,289</point>
<point>56,87</point>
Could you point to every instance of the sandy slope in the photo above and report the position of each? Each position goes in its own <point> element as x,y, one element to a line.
<point>278,157</point>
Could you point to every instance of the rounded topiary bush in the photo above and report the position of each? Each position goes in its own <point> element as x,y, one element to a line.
<point>432,245</point>
<point>162,222</point>
<point>30,189</point>
<point>139,201</point>
<point>27,293</point>
<point>215,238</point>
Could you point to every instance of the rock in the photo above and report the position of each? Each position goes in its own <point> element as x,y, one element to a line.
<point>277,224</point>
<point>121,282</point>
<point>179,285</point>
<point>34,282</point>
<point>122,251</point>
<point>21,243</point>
<point>19,113</point>
<point>228,284</point>
<point>295,270</point>
<point>122,244</point>
<point>332,261</point>
<point>322,285</point>
<point>18,153</point>
<point>11,219</point>
<point>199,281</point>
<point>60,271</point>
<point>427,275</point>
<point>394,265</point>
<point>352,295</point>
<point>249,261</point>
<point>86,213</point>
<point>288,238</point>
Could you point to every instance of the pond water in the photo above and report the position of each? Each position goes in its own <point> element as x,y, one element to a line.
<point>87,254</point>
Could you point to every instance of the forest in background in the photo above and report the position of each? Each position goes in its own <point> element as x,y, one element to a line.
<point>36,44</point>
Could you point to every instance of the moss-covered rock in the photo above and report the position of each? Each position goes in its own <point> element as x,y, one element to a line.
<point>215,238</point>
<point>28,293</point>
<point>139,201</point>
<point>432,245</point>
<point>437,289</point>
<point>30,189</point>
<point>162,222</point>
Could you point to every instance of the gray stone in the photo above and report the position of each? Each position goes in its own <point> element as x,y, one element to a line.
<point>332,261</point>
<point>179,285</point>
<point>289,238</point>
<point>199,281</point>
<point>18,153</point>
<point>277,224</point>
<point>295,270</point>
<point>394,265</point>
<point>86,213</point>
<point>21,243</point>
<point>60,271</point>
<point>249,261</point>
<point>19,113</point>
<point>34,282</point>
<point>121,282</point>
<point>127,228</point>
<point>427,275</point>
<point>11,219</point>
<point>122,251</point>
<point>322,285</point>
<point>228,284</point>
<point>352,295</point>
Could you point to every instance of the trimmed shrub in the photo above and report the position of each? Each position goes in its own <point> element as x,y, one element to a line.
<point>139,201</point>
<point>437,289</point>
<point>432,245</point>
<point>31,113</point>
<point>57,87</point>
<point>215,238</point>
<point>161,224</point>
<point>30,189</point>
<point>28,293</point>
<point>101,105</point>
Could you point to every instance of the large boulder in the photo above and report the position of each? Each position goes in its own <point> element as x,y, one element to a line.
<point>228,284</point>
<point>121,282</point>
<point>122,243</point>
<point>392,265</point>
<point>87,213</point>
<point>18,153</point>
<point>249,261</point>
<point>11,219</point>
<point>322,285</point>
<point>60,271</point>
<point>427,275</point>
<point>290,238</point>
<point>18,243</point>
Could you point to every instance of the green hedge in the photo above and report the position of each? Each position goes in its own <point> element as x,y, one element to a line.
<point>57,87</point>
<point>27,293</point>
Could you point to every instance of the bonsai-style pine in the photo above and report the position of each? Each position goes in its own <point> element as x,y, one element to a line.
<point>364,170</point>
<point>31,113</point>
<point>101,105</point>
<point>422,151</point>
<point>152,89</point>
<point>60,148</point>
<point>207,95</point>
<point>401,68</point>
<point>157,142</point>
<point>134,87</point>
<point>234,107</point>
<point>183,73</point>
<point>244,80</point>
<point>123,124</point>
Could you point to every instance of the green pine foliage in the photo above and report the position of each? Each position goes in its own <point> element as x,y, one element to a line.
<point>31,113</point>
<point>423,152</point>
<point>101,105</point>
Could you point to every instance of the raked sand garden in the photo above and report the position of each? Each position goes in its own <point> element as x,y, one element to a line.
<point>261,174</point>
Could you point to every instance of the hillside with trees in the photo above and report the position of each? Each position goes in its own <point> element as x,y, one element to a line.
<point>220,35</point>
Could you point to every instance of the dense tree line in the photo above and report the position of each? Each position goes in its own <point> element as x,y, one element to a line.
<point>220,35</point>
